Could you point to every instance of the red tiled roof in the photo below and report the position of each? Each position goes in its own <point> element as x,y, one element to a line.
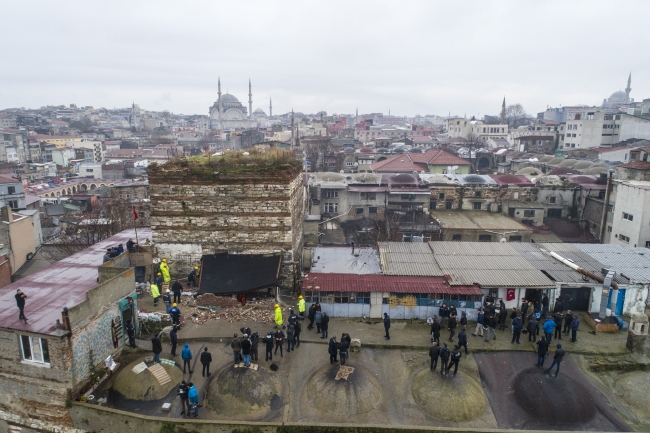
<point>637,165</point>
<point>401,163</point>
<point>382,283</point>
<point>7,179</point>
<point>418,161</point>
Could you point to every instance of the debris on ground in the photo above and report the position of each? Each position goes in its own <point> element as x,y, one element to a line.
<point>212,307</point>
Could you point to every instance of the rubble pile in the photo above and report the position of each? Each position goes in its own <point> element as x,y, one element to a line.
<point>210,307</point>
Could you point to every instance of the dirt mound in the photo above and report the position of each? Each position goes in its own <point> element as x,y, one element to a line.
<point>540,396</point>
<point>457,398</point>
<point>145,386</point>
<point>359,394</point>
<point>242,392</point>
<point>634,389</point>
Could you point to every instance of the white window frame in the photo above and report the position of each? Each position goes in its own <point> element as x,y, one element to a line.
<point>624,238</point>
<point>33,361</point>
<point>628,216</point>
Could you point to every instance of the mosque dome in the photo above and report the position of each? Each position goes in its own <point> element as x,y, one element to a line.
<point>259,113</point>
<point>619,96</point>
<point>366,150</point>
<point>228,98</point>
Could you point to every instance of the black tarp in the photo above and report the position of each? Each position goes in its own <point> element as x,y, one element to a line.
<point>235,273</point>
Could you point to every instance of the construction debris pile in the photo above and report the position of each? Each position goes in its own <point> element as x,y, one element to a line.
<point>209,306</point>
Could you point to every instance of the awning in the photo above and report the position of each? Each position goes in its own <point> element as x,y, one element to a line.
<point>322,282</point>
<point>235,273</point>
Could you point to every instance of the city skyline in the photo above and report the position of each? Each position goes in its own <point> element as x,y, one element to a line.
<point>335,59</point>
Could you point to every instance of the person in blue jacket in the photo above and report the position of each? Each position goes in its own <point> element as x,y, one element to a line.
<point>193,395</point>
<point>548,328</point>
<point>186,354</point>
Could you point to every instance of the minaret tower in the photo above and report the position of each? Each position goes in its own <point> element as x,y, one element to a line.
<point>270,107</point>
<point>503,111</point>
<point>628,89</point>
<point>219,98</point>
<point>250,99</point>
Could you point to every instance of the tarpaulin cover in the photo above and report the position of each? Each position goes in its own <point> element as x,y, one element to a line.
<point>235,273</point>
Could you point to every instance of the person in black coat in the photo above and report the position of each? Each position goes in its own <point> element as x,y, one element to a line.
<point>255,341</point>
<point>517,325</point>
<point>387,326</point>
<point>324,325</point>
<point>156,348</point>
<point>20,302</point>
<point>542,348</point>
<point>559,306</point>
<point>445,353</point>
<point>279,338</point>
<point>130,332</point>
<point>206,359</point>
<point>544,306</point>
<point>173,338</point>
<point>462,339</point>
<point>455,359</point>
<point>343,349</point>
<point>311,315</point>
<point>435,331</point>
<point>434,353</point>
<point>268,341</point>
<point>463,320</point>
<point>177,288</point>
<point>333,349</point>
<point>503,315</point>
<point>297,328</point>
<point>558,318</point>
<point>568,318</point>
<point>533,328</point>
<point>443,312</point>
<point>452,327</point>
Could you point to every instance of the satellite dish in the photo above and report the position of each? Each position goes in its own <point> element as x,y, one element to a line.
<point>503,240</point>
<point>455,167</point>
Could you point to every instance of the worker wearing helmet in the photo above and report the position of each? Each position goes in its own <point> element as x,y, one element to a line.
<point>155,294</point>
<point>159,280</point>
<point>301,307</point>
<point>164,269</point>
<point>191,278</point>
<point>176,315</point>
<point>278,315</point>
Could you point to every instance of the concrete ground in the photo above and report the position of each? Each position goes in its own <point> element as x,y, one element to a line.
<point>404,333</point>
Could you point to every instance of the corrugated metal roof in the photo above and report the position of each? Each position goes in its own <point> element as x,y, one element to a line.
<point>382,283</point>
<point>488,264</point>
<point>408,258</point>
<point>632,263</point>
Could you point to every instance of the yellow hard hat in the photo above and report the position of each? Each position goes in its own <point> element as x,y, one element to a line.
<point>300,297</point>
<point>164,260</point>
<point>174,304</point>
<point>159,273</point>
<point>277,305</point>
<point>196,267</point>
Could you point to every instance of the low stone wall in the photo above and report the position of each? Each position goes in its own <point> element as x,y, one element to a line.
<point>22,424</point>
<point>104,420</point>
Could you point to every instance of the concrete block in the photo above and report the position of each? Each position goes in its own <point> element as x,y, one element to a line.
<point>355,345</point>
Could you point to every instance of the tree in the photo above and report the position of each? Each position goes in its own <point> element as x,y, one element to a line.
<point>516,116</point>
<point>317,149</point>
<point>473,144</point>
<point>84,124</point>
<point>84,229</point>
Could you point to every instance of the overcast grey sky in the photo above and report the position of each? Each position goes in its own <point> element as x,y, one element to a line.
<point>413,57</point>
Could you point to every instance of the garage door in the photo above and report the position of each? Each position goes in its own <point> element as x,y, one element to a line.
<point>576,298</point>
<point>554,213</point>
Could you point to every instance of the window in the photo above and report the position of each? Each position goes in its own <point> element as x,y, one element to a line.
<point>359,211</point>
<point>89,170</point>
<point>330,193</point>
<point>441,196</point>
<point>551,199</point>
<point>11,190</point>
<point>349,163</point>
<point>477,194</point>
<point>625,239</point>
<point>494,292</point>
<point>476,205</point>
<point>456,237</point>
<point>647,244</point>
<point>485,238</point>
<point>449,204</point>
<point>13,203</point>
<point>529,213</point>
<point>372,209</point>
<point>408,196</point>
<point>128,196</point>
<point>433,205</point>
<point>628,216</point>
<point>645,157</point>
<point>330,207</point>
<point>514,239</point>
<point>609,229</point>
<point>35,349</point>
<point>368,196</point>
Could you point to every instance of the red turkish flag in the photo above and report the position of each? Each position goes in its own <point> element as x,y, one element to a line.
<point>135,214</point>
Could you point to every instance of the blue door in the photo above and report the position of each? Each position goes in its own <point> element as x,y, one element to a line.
<point>620,301</point>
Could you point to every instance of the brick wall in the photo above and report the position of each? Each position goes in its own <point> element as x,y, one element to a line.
<point>243,214</point>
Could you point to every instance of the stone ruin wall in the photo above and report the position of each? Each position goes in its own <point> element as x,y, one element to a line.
<point>251,214</point>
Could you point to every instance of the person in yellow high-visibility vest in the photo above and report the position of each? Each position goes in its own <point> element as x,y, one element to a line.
<point>278,316</point>
<point>164,268</point>
<point>155,294</point>
<point>301,307</point>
